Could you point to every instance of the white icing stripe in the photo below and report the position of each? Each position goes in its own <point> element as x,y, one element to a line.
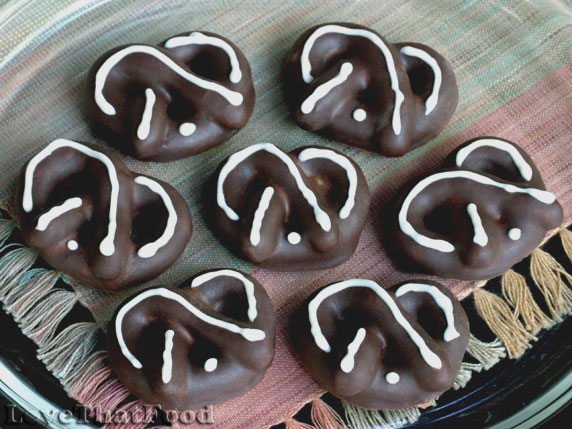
<point>523,167</point>
<point>249,334</point>
<point>348,362</point>
<point>235,159</point>
<point>197,38</point>
<point>426,353</point>
<point>343,162</point>
<point>324,89</point>
<point>442,245</point>
<point>480,237</point>
<point>106,247</point>
<point>442,300</point>
<point>145,124</point>
<point>259,215</point>
<point>424,56</point>
<point>234,98</point>
<point>167,370</point>
<point>55,212</point>
<point>150,249</point>
<point>375,39</point>
<point>248,287</point>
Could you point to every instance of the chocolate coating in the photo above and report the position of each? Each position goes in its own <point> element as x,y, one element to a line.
<point>484,212</point>
<point>189,94</point>
<point>89,216</point>
<point>346,82</point>
<point>388,349</point>
<point>186,361</point>
<point>298,211</point>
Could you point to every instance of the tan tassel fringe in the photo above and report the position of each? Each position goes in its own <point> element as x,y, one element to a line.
<point>566,238</point>
<point>551,279</point>
<point>360,418</point>
<point>402,417</point>
<point>325,417</point>
<point>487,354</point>
<point>465,374</point>
<point>498,316</point>
<point>517,293</point>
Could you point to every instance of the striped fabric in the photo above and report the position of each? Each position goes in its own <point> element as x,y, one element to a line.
<point>513,61</point>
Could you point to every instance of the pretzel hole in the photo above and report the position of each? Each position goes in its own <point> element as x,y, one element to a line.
<point>180,109</point>
<point>442,220</point>
<point>211,64</point>
<point>226,296</point>
<point>149,222</point>
<point>421,77</point>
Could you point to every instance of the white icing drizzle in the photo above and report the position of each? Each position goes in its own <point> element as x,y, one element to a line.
<point>514,234</point>
<point>294,238</point>
<point>167,370</point>
<point>249,334</point>
<point>106,247</point>
<point>197,38</point>
<point>375,39</point>
<point>424,56</point>
<point>523,167</point>
<point>187,128</point>
<point>145,124</point>
<point>443,245</point>
<point>150,249</point>
<point>234,98</point>
<point>324,89</point>
<point>211,364</point>
<point>248,287</point>
<point>321,216</point>
<point>55,212</point>
<point>259,215</point>
<point>392,377</point>
<point>348,362</point>
<point>442,300</point>
<point>343,162</point>
<point>480,237</point>
<point>426,353</point>
<point>359,115</point>
<point>72,245</point>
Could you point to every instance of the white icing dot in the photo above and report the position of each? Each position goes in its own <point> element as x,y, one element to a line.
<point>294,238</point>
<point>392,377</point>
<point>211,364</point>
<point>187,128</point>
<point>359,115</point>
<point>72,245</point>
<point>514,234</point>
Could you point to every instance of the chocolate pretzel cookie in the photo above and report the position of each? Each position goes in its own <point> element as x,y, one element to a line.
<point>382,349</point>
<point>301,210</point>
<point>183,348</point>
<point>484,212</point>
<point>189,94</point>
<point>89,216</point>
<point>347,83</point>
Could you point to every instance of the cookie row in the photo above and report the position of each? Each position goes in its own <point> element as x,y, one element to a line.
<point>194,91</point>
<point>212,339</point>
<point>89,216</point>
